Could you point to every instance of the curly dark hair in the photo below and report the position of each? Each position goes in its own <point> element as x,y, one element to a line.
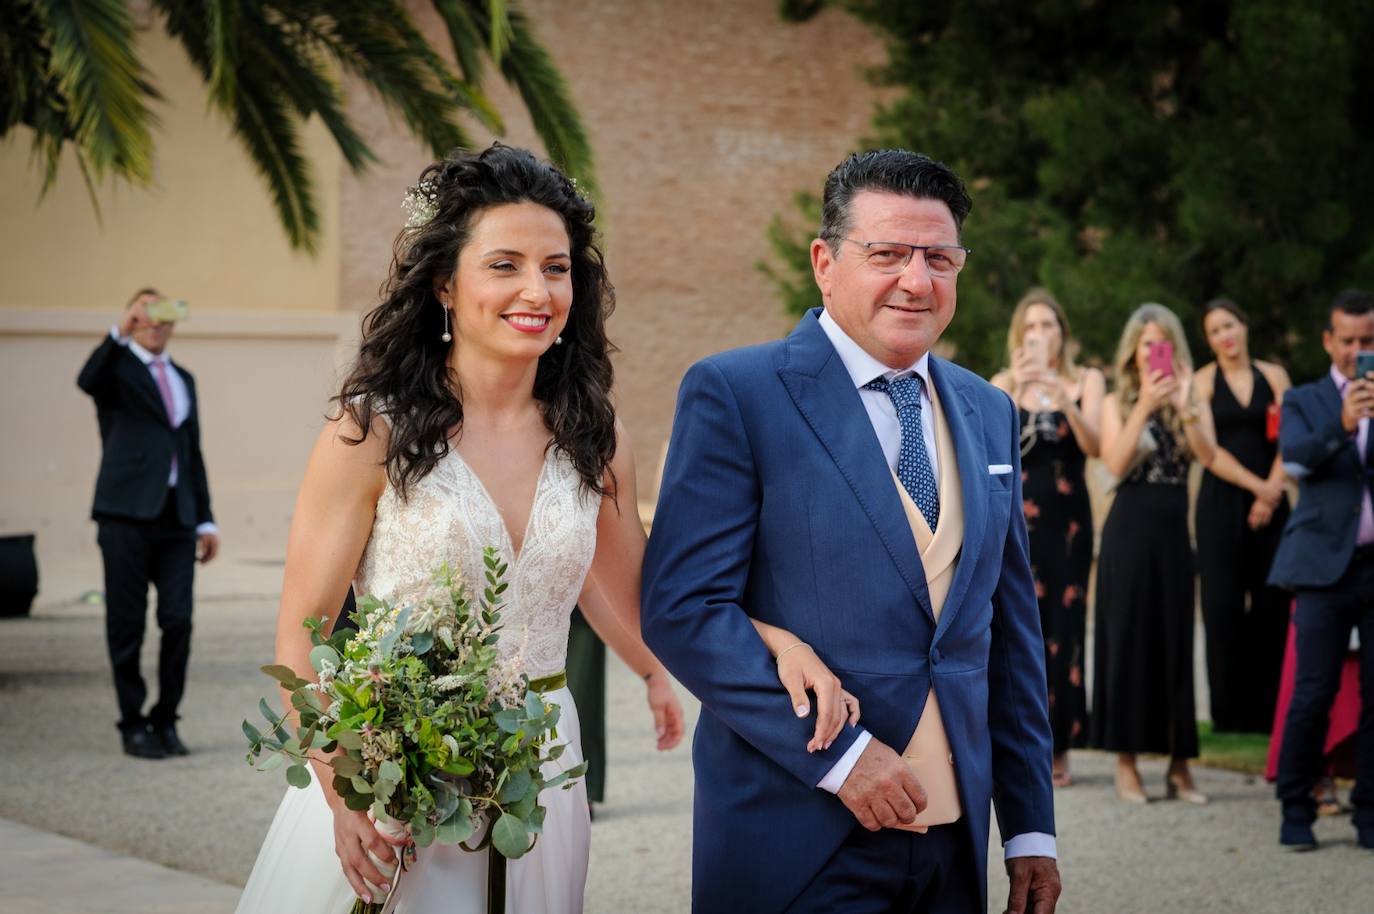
<point>402,371</point>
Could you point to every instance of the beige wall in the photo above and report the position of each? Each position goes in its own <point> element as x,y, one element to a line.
<point>706,119</point>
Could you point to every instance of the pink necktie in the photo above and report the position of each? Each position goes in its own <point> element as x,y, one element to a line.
<point>160,372</point>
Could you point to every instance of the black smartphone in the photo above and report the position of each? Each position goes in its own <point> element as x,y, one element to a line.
<point>1364,364</point>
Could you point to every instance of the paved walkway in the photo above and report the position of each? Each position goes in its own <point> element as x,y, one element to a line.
<point>87,829</point>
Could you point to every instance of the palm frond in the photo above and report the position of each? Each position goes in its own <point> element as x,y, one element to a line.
<point>269,133</point>
<point>500,32</point>
<point>224,58</point>
<point>530,69</point>
<point>368,46</point>
<point>264,122</point>
<point>102,83</point>
<point>465,38</point>
<point>280,56</point>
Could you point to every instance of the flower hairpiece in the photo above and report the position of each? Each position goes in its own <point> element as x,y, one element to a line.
<point>421,203</point>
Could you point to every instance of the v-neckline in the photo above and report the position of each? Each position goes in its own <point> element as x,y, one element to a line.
<point>496,509</point>
<point>1254,386</point>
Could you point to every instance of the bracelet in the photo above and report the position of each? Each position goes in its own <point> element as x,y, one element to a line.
<point>792,647</point>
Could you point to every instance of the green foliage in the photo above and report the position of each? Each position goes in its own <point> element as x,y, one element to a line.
<point>428,726</point>
<point>1122,153</point>
<point>70,72</point>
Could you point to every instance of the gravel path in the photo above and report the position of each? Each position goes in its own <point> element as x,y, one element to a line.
<point>206,814</point>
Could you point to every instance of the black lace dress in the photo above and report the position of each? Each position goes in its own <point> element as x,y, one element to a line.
<point>1059,521</point>
<point>1143,625</point>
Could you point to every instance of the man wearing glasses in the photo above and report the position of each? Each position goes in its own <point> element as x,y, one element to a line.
<point>863,496</point>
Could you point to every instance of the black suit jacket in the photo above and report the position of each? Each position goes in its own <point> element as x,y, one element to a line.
<point>138,441</point>
<point>1319,538</point>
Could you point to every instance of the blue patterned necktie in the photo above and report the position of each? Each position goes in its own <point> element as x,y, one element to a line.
<point>913,464</point>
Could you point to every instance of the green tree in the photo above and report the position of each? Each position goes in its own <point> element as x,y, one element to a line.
<point>70,72</point>
<point>1121,153</point>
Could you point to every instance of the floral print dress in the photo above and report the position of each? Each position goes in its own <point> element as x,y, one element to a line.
<point>1059,521</point>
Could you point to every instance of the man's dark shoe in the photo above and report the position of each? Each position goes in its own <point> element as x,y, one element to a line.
<point>1297,836</point>
<point>170,742</point>
<point>141,743</point>
<point>1364,836</point>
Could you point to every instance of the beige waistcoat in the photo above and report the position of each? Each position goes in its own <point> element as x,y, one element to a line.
<point>928,753</point>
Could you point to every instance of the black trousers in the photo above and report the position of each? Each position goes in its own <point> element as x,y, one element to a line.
<point>160,552</point>
<point>1324,619</point>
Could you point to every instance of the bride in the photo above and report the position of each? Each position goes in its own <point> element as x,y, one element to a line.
<point>478,413</point>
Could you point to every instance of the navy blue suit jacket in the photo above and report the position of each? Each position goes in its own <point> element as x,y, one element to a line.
<point>1319,538</point>
<point>777,503</point>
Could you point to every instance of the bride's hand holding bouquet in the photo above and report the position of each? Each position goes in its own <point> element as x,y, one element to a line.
<point>421,725</point>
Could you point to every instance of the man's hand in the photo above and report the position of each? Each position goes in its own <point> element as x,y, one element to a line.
<point>881,791</point>
<point>207,547</point>
<point>135,315</point>
<point>1359,404</point>
<point>1035,885</point>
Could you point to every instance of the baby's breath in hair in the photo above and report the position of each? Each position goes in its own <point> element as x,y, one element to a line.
<point>421,203</point>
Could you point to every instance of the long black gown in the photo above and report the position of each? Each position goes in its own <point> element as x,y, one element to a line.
<point>1143,650</point>
<point>1246,620</point>
<point>1059,521</point>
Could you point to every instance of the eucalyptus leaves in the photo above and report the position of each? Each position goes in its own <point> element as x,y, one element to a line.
<point>420,721</point>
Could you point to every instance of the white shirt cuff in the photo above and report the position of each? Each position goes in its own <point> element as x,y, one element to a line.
<point>1031,844</point>
<point>207,527</point>
<point>834,779</point>
<point>114,335</point>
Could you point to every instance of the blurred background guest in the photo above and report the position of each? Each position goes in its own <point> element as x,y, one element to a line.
<point>1327,556</point>
<point>152,508</point>
<point>1059,403</point>
<point>1241,510</point>
<point>1153,427</point>
<point>587,682</point>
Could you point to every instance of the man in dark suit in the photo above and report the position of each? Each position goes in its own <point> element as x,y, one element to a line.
<point>152,506</point>
<point>851,487</point>
<point>1327,556</point>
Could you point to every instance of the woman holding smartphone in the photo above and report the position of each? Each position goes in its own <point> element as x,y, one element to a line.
<point>1153,427</point>
<point>1241,510</point>
<point>1059,404</point>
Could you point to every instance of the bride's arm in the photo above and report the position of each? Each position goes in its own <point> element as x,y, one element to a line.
<point>610,598</point>
<point>329,530</point>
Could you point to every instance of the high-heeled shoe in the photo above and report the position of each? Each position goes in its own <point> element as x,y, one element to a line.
<point>1176,791</point>
<point>1130,793</point>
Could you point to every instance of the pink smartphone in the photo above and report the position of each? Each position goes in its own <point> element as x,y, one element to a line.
<point>1162,358</point>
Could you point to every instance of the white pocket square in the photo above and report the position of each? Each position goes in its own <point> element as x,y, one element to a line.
<point>997,469</point>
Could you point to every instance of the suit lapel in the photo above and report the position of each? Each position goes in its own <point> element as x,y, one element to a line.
<point>824,394</point>
<point>971,453</point>
<point>140,379</point>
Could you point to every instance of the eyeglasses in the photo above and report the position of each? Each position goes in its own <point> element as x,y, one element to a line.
<point>944,260</point>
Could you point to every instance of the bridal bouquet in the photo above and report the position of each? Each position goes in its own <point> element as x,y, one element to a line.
<point>436,735</point>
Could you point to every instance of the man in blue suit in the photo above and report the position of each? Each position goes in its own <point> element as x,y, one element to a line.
<point>809,484</point>
<point>1327,556</point>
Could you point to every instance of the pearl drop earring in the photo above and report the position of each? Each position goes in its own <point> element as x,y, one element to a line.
<point>558,341</point>
<point>446,336</point>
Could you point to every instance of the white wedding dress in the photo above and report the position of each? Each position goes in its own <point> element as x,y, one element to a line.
<point>450,517</point>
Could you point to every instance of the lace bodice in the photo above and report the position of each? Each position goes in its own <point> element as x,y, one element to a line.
<point>1168,463</point>
<point>450,517</point>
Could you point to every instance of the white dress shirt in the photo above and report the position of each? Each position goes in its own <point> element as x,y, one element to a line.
<point>863,368</point>
<point>181,399</point>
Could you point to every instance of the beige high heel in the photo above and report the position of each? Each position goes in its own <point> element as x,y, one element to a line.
<point>1130,793</point>
<point>1176,791</point>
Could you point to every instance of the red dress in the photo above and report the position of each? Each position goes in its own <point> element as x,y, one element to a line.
<point>1345,712</point>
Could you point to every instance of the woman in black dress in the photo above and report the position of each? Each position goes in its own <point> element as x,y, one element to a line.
<point>1059,405</point>
<point>1241,510</point>
<point>1152,429</point>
